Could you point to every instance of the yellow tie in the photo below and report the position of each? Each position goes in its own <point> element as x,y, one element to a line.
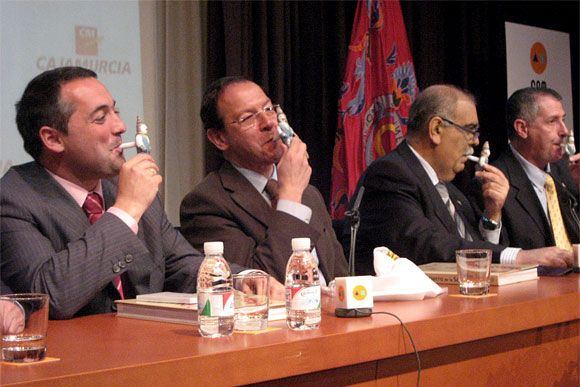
<point>560,235</point>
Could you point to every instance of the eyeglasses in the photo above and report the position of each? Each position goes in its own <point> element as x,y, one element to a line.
<point>250,121</point>
<point>473,132</point>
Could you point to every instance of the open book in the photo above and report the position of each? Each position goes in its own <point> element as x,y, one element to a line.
<point>175,312</point>
<point>446,273</point>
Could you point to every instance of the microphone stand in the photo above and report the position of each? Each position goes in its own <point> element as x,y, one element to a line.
<point>354,216</point>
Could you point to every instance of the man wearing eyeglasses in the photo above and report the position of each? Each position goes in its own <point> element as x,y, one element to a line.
<point>538,169</point>
<point>409,204</point>
<point>239,205</point>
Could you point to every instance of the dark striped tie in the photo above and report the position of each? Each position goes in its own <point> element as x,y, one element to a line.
<point>272,191</point>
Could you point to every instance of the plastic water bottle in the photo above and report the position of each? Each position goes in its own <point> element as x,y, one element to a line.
<point>302,287</point>
<point>215,293</point>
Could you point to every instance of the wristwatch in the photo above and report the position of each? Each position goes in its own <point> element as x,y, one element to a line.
<point>489,224</point>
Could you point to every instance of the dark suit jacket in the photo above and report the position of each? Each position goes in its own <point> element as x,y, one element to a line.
<point>524,223</point>
<point>402,210</point>
<point>4,289</point>
<point>226,207</point>
<point>48,246</point>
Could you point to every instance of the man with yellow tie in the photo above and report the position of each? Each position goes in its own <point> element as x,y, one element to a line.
<point>541,208</point>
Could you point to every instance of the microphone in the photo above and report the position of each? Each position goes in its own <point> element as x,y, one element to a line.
<point>572,201</point>
<point>573,204</point>
<point>354,216</point>
<point>354,293</point>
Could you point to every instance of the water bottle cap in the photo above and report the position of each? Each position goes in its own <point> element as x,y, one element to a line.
<point>300,243</point>
<point>213,247</point>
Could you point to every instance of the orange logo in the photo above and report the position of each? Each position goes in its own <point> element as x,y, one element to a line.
<point>359,292</point>
<point>538,57</point>
<point>341,293</point>
<point>86,40</point>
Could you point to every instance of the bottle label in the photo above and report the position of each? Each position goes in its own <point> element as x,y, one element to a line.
<point>303,298</point>
<point>215,304</point>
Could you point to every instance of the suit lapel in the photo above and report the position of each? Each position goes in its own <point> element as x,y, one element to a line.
<point>244,194</point>
<point>524,193</point>
<point>464,209</point>
<point>69,215</point>
<point>109,192</point>
<point>439,208</point>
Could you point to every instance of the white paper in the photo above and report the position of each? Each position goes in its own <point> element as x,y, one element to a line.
<point>400,279</point>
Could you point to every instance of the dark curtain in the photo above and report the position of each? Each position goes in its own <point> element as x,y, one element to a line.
<point>296,50</point>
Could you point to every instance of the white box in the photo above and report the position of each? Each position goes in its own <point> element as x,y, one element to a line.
<point>354,292</point>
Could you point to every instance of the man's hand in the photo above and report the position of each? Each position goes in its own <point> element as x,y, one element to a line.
<point>277,290</point>
<point>293,172</point>
<point>138,184</point>
<point>546,256</point>
<point>495,187</point>
<point>574,166</point>
<point>11,318</point>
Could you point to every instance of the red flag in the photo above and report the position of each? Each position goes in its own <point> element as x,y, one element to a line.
<point>377,92</point>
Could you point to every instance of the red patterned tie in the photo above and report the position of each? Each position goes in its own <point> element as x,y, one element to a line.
<point>93,207</point>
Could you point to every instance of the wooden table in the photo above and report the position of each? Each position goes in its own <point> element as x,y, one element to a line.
<point>525,335</point>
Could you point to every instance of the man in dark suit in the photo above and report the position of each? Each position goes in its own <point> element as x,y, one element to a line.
<point>536,129</point>
<point>409,205</point>
<point>233,204</point>
<point>71,128</point>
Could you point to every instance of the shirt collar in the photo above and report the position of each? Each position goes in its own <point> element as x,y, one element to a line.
<point>426,166</point>
<point>78,193</point>
<point>256,179</point>
<point>535,174</point>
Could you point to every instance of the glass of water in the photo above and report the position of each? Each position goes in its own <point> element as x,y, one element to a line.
<point>473,271</point>
<point>251,301</point>
<point>23,325</point>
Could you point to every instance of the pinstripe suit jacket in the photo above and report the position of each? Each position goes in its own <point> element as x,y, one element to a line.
<point>225,206</point>
<point>48,246</point>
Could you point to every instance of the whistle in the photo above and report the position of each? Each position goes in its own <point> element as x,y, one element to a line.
<point>141,139</point>
<point>484,156</point>
<point>568,146</point>
<point>285,132</point>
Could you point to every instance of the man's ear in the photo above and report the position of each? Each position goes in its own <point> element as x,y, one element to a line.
<point>521,128</point>
<point>52,139</point>
<point>434,130</point>
<point>218,138</point>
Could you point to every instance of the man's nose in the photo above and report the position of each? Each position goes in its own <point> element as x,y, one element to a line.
<point>267,121</point>
<point>563,132</point>
<point>474,140</point>
<point>119,126</point>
